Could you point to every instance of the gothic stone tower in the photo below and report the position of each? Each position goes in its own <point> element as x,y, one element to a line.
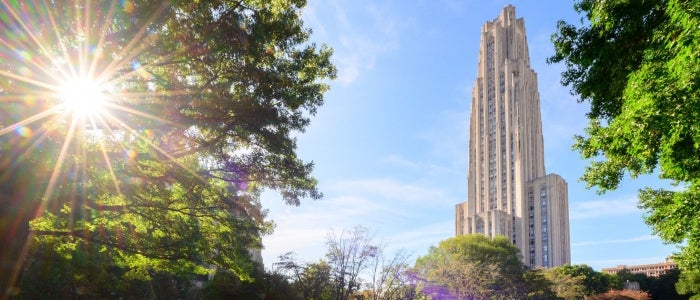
<point>508,191</point>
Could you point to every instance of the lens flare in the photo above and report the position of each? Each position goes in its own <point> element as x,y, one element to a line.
<point>24,131</point>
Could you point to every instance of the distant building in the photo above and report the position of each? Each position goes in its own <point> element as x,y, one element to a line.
<point>630,285</point>
<point>652,270</point>
<point>508,190</point>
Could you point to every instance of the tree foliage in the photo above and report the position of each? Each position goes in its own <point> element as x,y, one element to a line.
<point>661,287</point>
<point>50,274</point>
<point>203,100</point>
<point>389,277</point>
<point>266,285</point>
<point>472,267</point>
<point>566,286</point>
<point>538,286</point>
<point>621,295</point>
<point>664,286</point>
<point>349,253</point>
<point>577,281</point>
<point>689,284</point>
<point>352,262</point>
<point>637,64</point>
<point>311,280</point>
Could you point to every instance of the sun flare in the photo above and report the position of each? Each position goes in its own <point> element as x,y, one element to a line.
<point>82,96</point>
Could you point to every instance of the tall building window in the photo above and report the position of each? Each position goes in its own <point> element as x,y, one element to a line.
<point>503,147</point>
<point>479,225</point>
<point>531,228</point>
<point>491,110</point>
<point>545,234</point>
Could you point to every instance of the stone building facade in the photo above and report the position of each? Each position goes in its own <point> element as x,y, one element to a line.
<point>508,190</point>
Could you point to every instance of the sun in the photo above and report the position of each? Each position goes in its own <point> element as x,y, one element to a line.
<point>82,97</point>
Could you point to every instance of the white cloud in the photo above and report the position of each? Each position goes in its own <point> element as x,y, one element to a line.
<point>431,169</point>
<point>304,229</point>
<point>358,53</point>
<point>361,36</point>
<point>678,188</point>
<point>391,189</point>
<point>423,237</point>
<point>642,238</point>
<point>308,242</point>
<point>603,208</point>
<point>311,20</point>
<point>378,203</point>
<point>341,211</point>
<point>400,161</point>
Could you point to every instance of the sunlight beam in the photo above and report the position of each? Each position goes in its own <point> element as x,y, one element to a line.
<point>103,34</point>
<point>29,120</point>
<point>130,51</point>
<point>158,149</point>
<point>44,200</point>
<point>27,80</point>
<point>32,36</point>
<point>140,113</point>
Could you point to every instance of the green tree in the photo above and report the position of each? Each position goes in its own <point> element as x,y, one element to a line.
<point>311,280</point>
<point>590,281</point>
<point>202,101</point>
<point>472,267</point>
<point>538,286</point>
<point>566,286</point>
<point>689,284</point>
<point>661,287</point>
<point>664,286</point>
<point>88,274</point>
<point>265,285</point>
<point>349,253</point>
<point>621,295</point>
<point>636,63</point>
<point>388,277</point>
<point>624,276</point>
<point>83,274</point>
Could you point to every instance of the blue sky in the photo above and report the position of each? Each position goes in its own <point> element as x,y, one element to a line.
<point>390,143</point>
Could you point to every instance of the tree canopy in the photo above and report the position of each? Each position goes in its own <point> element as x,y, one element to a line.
<point>201,103</point>
<point>354,268</point>
<point>472,267</point>
<point>689,284</point>
<point>637,64</point>
<point>579,281</point>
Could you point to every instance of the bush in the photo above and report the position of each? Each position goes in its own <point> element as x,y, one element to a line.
<point>621,295</point>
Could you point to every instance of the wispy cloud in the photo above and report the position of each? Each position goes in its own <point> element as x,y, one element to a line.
<point>304,229</point>
<point>381,202</point>
<point>423,237</point>
<point>603,208</point>
<point>391,189</point>
<point>344,210</point>
<point>363,32</point>
<point>429,168</point>
<point>642,238</point>
<point>311,20</point>
<point>400,161</point>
